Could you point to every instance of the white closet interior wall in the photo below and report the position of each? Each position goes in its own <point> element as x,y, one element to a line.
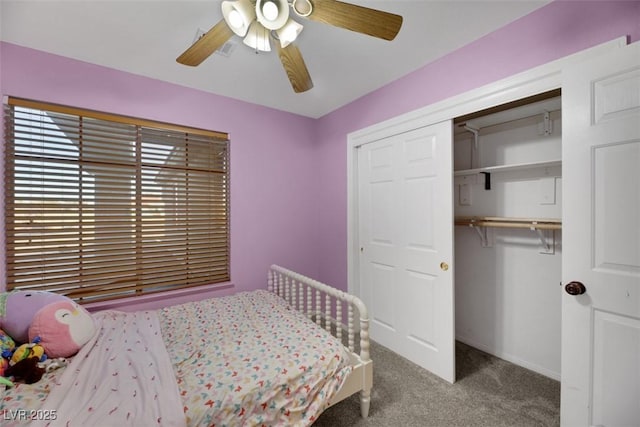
<point>507,290</point>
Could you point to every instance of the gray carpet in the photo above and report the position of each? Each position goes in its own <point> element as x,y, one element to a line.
<point>488,392</point>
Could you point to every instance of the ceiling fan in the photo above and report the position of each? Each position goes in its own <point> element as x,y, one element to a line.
<point>259,22</point>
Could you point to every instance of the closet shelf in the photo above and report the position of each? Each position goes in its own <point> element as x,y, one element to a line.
<point>506,168</point>
<point>502,222</point>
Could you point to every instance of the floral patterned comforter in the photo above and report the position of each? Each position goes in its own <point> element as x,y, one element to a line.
<point>247,359</point>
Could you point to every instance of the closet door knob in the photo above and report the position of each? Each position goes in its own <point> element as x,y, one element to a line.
<point>575,288</point>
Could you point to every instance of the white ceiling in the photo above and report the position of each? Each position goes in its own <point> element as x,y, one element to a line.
<point>145,36</point>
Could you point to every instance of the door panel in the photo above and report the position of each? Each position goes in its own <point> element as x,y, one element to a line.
<point>617,348</point>
<point>601,238</point>
<point>383,314</point>
<point>612,208</point>
<point>421,331</point>
<point>377,203</point>
<point>406,231</point>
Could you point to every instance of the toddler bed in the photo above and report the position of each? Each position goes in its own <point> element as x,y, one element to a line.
<point>272,357</point>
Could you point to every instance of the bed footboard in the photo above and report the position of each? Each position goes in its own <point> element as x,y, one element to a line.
<point>324,305</point>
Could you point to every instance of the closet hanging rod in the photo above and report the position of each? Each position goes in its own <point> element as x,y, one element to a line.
<point>499,222</point>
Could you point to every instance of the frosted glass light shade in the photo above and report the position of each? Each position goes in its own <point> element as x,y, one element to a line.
<point>272,14</point>
<point>302,7</point>
<point>258,37</point>
<point>289,32</point>
<point>270,10</point>
<point>238,15</point>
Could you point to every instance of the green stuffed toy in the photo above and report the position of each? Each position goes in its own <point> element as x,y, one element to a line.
<point>7,347</point>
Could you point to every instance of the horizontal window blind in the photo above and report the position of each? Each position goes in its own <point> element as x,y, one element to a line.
<point>100,208</point>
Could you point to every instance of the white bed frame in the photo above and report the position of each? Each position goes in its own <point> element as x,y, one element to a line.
<point>319,301</point>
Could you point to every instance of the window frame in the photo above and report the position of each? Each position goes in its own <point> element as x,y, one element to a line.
<point>219,183</point>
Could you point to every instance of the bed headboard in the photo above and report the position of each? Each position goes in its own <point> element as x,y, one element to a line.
<point>324,305</point>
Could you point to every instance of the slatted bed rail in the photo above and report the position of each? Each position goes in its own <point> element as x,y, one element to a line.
<point>324,305</point>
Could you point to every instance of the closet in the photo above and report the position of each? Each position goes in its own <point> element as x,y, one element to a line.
<point>508,231</point>
<point>526,273</point>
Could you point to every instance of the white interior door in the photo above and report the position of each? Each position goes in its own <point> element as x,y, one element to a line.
<point>406,244</point>
<point>601,237</point>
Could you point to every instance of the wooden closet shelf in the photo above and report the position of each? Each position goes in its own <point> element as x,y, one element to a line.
<point>500,222</point>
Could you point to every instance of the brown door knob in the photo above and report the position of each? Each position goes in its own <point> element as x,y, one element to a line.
<point>575,288</point>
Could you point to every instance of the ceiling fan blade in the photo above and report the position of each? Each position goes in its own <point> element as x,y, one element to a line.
<point>295,67</point>
<point>376,23</point>
<point>206,45</point>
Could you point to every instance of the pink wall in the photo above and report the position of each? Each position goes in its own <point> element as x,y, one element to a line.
<point>289,172</point>
<point>273,182</point>
<point>556,30</point>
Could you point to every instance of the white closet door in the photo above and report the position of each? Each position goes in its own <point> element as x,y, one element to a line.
<point>601,237</point>
<point>406,244</point>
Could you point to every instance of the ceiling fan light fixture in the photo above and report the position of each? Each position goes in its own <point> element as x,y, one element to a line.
<point>235,20</point>
<point>270,10</point>
<point>272,14</point>
<point>302,7</point>
<point>238,15</point>
<point>258,37</point>
<point>289,32</point>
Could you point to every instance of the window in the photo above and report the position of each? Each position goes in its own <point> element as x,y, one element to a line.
<point>102,207</point>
